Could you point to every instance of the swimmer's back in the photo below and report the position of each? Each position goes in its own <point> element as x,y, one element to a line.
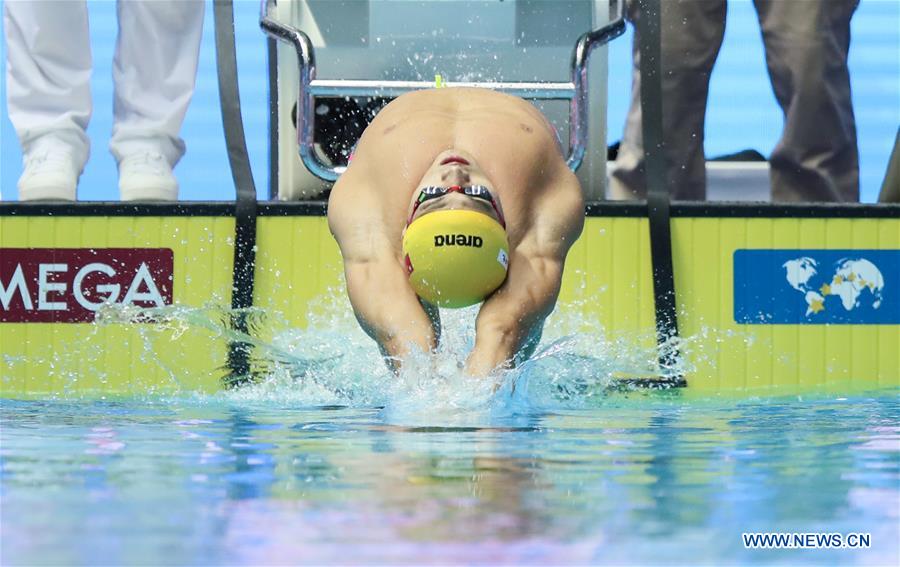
<point>510,138</point>
<point>461,105</point>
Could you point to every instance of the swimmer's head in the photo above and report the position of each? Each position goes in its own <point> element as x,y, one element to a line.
<point>455,244</point>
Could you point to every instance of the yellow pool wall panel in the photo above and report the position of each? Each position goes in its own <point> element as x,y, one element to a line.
<point>728,355</point>
<point>298,265</point>
<point>608,287</point>
<point>40,359</point>
<point>607,290</point>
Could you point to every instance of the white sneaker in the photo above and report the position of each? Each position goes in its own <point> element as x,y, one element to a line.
<point>147,176</point>
<point>48,175</point>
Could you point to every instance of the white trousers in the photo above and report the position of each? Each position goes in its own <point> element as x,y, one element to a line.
<point>48,74</point>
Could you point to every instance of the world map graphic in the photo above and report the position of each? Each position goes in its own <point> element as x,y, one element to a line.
<point>852,280</point>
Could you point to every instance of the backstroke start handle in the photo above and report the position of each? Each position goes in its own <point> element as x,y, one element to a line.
<point>575,91</point>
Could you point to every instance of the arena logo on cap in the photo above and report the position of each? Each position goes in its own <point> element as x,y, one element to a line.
<point>69,285</point>
<point>809,287</point>
<point>458,240</point>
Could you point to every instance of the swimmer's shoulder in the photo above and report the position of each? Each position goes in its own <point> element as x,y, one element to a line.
<point>558,211</point>
<point>356,216</point>
<point>352,190</point>
<point>561,185</point>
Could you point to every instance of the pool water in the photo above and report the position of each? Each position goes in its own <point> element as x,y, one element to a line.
<point>331,459</point>
<point>637,478</point>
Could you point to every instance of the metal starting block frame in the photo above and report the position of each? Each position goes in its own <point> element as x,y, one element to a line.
<point>575,90</point>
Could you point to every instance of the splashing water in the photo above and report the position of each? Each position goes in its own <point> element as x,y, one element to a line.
<point>332,362</point>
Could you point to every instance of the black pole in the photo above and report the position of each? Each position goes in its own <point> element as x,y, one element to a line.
<point>657,191</point>
<point>272,50</point>
<point>245,189</point>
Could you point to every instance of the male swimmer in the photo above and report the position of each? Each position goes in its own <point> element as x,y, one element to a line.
<point>455,196</point>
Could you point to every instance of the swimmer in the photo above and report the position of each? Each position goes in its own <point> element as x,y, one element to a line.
<point>455,196</point>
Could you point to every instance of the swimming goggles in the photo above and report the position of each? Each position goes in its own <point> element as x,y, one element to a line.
<point>474,191</point>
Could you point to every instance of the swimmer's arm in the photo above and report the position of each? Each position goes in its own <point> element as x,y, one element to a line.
<point>509,324</point>
<point>389,310</point>
<point>385,305</point>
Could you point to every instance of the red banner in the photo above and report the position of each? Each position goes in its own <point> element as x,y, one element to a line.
<point>68,285</point>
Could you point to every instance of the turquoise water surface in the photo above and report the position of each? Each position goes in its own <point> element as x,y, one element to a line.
<point>634,478</point>
<point>330,458</point>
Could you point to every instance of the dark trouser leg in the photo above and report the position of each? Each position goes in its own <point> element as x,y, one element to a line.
<point>691,33</point>
<point>807,42</point>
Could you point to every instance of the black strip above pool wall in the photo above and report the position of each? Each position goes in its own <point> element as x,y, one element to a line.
<point>783,210</point>
<point>319,208</point>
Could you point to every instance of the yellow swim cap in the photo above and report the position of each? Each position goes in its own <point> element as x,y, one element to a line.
<point>455,258</point>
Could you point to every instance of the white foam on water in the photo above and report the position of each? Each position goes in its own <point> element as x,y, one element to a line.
<point>332,362</point>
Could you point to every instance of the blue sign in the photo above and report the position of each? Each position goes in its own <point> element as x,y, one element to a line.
<point>812,287</point>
